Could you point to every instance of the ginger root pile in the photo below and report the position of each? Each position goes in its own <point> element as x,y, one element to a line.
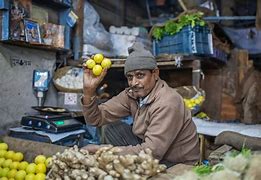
<point>75,163</point>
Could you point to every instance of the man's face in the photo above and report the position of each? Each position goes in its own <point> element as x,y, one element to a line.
<point>142,81</point>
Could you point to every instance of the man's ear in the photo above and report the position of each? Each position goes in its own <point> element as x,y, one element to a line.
<point>156,72</point>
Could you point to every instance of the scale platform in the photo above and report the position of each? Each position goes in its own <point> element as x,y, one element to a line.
<point>57,123</point>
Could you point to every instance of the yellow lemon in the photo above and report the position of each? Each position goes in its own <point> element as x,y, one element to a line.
<point>23,165</point>
<point>106,63</point>
<point>7,163</point>
<point>190,105</point>
<point>201,98</point>
<point>98,58</point>
<point>18,156</point>
<point>2,153</point>
<point>1,161</point>
<point>1,169</point>
<point>31,168</point>
<point>3,146</point>
<point>48,161</point>
<point>4,172</point>
<point>90,63</point>
<point>40,159</point>
<point>30,177</point>
<point>20,174</point>
<point>97,70</point>
<point>40,176</point>
<point>40,168</point>
<point>11,173</point>
<point>9,154</point>
<point>14,165</point>
<point>197,101</point>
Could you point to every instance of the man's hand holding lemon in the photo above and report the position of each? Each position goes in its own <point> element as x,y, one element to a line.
<point>95,70</point>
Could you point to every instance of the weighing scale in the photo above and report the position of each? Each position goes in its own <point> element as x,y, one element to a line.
<point>51,123</point>
<point>50,119</point>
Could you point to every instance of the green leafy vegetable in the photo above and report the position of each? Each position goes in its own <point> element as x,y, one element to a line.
<point>173,27</point>
<point>217,167</point>
<point>158,33</point>
<point>170,27</point>
<point>202,170</point>
<point>244,151</point>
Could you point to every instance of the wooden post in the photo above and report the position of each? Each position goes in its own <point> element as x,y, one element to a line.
<point>258,14</point>
<point>242,63</point>
<point>202,148</point>
<point>233,74</point>
<point>196,73</point>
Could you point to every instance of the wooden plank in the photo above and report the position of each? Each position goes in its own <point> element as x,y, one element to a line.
<point>242,58</point>
<point>230,85</point>
<point>32,148</point>
<point>258,15</point>
<point>119,63</point>
<point>233,74</point>
<point>228,108</point>
<point>241,62</point>
<point>226,10</point>
<point>212,84</point>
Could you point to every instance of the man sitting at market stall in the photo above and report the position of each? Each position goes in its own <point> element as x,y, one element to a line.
<point>161,122</point>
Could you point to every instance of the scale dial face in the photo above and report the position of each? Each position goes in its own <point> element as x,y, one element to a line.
<point>41,80</point>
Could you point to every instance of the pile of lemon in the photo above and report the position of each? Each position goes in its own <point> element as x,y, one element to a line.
<point>194,102</point>
<point>97,63</point>
<point>13,166</point>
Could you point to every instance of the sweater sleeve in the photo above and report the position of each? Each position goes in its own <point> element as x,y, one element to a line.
<point>167,120</point>
<point>110,111</point>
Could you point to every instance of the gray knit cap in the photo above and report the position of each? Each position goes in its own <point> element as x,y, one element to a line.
<point>139,58</point>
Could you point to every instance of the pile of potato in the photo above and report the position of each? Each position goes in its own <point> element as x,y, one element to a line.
<point>105,164</point>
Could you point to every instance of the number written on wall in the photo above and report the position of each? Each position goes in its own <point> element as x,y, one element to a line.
<point>19,62</point>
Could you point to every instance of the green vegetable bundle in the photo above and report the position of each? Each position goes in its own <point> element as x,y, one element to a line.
<point>172,27</point>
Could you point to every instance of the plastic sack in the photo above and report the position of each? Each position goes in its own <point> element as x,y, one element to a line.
<point>247,38</point>
<point>94,33</point>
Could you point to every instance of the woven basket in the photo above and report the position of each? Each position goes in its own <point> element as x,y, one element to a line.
<point>60,73</point>
<point>190,92</point>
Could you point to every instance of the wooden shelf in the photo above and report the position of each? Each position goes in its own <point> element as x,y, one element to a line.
<point>35,45</point>
<point>168,62</point>
<point>62,7</point>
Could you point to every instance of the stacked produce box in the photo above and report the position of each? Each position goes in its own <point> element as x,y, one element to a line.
<point>188,34</point>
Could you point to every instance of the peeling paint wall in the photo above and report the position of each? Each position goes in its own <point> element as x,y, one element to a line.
<point>16,73</point>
